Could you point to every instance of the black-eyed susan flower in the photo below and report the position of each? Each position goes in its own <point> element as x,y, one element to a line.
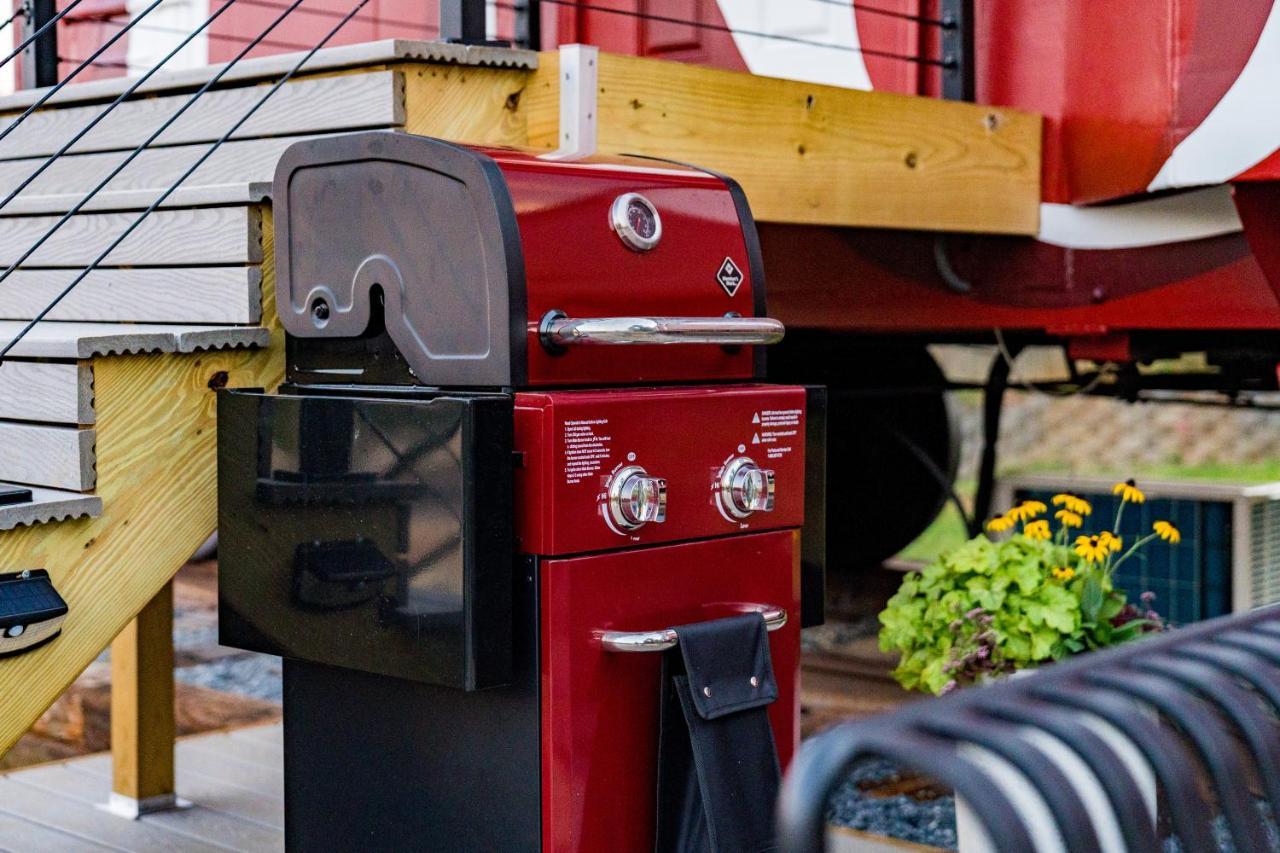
<point>1027,510</point>
<point>1166,531</point>
<point>1064,573</point>
<point>1073,503</point>
<point>1001,523</point>
<point>1037,530</point>
<point>1112,541</point>
<point>1069,518</point>
<point>1128,492</point>
<point>1091,548</point>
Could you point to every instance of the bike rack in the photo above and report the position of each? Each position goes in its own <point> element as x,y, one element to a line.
<point>1198,701</point>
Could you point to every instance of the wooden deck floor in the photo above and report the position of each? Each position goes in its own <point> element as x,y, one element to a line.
<point>234,779</point>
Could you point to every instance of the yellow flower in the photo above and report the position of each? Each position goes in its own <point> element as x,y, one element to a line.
<point>1026,510</point>
<point>1167,532</point>
<point>1037,530</point>
<point>1001,523</point>
<point>1128,492</point>
<point>1091,548</point>
<point>1112,541</point>
<point>1072,503</point>
<point>1064,574</point>
<point>1069,518</point>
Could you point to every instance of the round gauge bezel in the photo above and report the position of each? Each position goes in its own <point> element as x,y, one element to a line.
<point>621,224</point>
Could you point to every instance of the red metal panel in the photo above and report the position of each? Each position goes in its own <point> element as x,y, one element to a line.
<point>574,440</point>
<point>576,264</point>
<point>303,28</point>
<point>600,709</point>
<point>887,282</point>
<point>631,33</point>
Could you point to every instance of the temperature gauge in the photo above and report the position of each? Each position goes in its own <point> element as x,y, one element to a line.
<point>636,221</point>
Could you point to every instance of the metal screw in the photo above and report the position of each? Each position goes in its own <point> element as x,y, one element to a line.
<point>706,691</point>
<point>755,682</point>
<point>320,312</point>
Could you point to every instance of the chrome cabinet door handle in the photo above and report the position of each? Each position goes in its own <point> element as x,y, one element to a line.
<point>558,331</point>
<point>666,638</point>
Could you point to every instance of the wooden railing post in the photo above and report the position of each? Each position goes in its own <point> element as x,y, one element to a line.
<point>142,711</point>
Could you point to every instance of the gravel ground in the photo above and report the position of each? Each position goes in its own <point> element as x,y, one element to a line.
<point>249,675</point>
<point>923,822</point>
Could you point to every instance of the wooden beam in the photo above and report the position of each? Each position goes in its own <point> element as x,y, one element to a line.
<point>814,154</point>
<point>143,725</point>
<point>466,104</point>
<point>157,441</point>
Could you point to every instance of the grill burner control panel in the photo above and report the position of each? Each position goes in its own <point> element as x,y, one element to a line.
<point>603,470</point>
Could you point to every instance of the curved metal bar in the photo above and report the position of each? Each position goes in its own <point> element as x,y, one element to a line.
<point>1187,808</point>
<point>1247,666</point>
<point>667,638</point>
<point>1206,732</point>
<point>1045,776</point>
<point>1233,703</point>
<point>558,331</point>
<point>1137,827</point>
<point>824,760</point>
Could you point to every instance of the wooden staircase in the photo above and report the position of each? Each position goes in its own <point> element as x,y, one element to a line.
<point>107,408</point>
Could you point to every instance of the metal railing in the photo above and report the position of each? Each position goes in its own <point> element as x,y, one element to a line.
<point>1199,705</point>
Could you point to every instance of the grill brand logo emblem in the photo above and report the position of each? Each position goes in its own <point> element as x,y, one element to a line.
<point>729,276</point>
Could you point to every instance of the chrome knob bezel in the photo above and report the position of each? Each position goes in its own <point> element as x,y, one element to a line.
<point>622,498</point>
<point>734,483</point>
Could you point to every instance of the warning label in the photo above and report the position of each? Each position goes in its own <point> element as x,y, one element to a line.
<point>586,447</point>
<point>776,430</point>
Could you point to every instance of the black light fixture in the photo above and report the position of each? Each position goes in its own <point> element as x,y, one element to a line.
<point>31,611</point>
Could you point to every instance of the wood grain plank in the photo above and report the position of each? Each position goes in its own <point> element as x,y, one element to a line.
<point>476,105</point>
<point>56,456</point>
<point>227,743</point>
<point>156,444</point>
<point>374,99</point>
<point>249,161</point>
<point>23,836</point>
<point>210,235</point>
<point>51,339</point>
<point>51,807</point>
<point>46,391</point>
<point>814,154</point>
<point>137,295</point>
<point>209,761</point>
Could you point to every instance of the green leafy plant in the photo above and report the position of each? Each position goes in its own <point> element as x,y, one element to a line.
<point>995,605</point>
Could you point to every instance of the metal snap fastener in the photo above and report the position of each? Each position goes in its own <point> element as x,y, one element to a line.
<point>706,691</point>
<point>755,682</point>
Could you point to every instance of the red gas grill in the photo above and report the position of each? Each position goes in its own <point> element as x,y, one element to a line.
<point>476,515</point>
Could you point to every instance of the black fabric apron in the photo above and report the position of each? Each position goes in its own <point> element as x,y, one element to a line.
<point>718,771</point>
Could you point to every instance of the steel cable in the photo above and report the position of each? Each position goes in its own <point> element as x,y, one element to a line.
<point>288,75</point>
<point>84,63</point>
<point>39,32</point>
<point>21,11</point>
<point>702,25</point>
<point>133,87</point>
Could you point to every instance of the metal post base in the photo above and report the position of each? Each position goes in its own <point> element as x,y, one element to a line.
<point>132,809</point>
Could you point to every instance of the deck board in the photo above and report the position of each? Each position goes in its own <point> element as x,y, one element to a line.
<point>238,803</point>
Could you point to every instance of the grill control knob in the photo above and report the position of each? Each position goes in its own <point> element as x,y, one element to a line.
<point>636,499</point>
<point>745,488</point>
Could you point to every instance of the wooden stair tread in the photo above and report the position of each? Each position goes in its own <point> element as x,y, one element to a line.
<point>237,193</point>
<point>48,505</point>
<point>329,59</point>
<point>46,391</point>
<point>85,340</point>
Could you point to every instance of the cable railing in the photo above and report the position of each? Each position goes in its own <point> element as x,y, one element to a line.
<point>460,20</point>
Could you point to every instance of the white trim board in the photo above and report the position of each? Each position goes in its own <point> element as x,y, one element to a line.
<point>329,59</point>
<point>47,391</point>
<point>137,295</point>
<point>48,505</point>
<point>60,457</point>
<point>86,340</point>
<point>348,102</point>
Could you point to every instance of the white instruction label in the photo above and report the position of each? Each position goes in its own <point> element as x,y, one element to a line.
<point>778,429</point>
<point>586,447</point>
